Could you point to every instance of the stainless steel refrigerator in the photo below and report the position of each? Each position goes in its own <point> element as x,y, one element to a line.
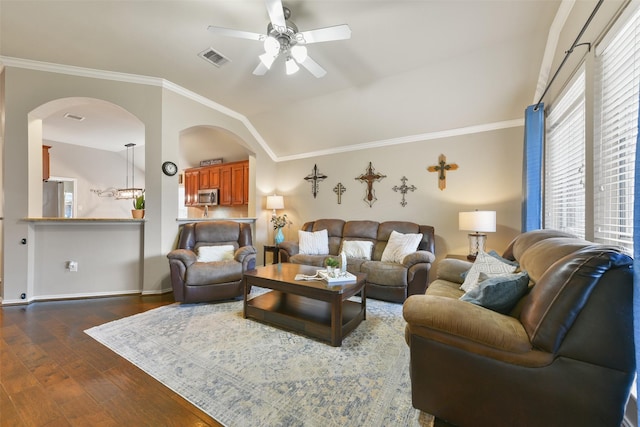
<point>53,199</point>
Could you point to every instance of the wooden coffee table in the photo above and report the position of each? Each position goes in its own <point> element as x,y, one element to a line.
<point>313,308</point>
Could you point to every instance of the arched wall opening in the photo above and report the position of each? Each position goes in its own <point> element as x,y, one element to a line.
<point>204,143</point>
<point>88,139</point>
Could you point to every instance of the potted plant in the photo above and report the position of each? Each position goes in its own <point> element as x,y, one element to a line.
<point>332,264</point>
<point>138,207</point>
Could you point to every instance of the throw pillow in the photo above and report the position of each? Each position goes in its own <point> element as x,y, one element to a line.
<point>313,243</point>
<point>506,261</point>
<point>488,265</point>
<point>399,246</point>
<point>500,293</point>
<point>357,249</point>
<point>215,253</point>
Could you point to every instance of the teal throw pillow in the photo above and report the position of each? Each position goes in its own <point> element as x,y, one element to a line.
<point>499,293</point>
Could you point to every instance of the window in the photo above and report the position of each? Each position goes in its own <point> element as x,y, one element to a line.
<point>564,194</point>
<point>617,80</point>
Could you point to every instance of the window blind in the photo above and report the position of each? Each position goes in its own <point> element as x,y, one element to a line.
<point>616,95</point>
<point>565,161</point>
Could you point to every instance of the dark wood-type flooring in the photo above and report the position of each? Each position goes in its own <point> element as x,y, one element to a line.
<point>53,374</point>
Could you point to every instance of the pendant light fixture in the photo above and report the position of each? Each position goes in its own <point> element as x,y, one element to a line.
<point>130,192</point>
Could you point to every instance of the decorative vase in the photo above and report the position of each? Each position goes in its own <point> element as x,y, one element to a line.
<point>279,236</point>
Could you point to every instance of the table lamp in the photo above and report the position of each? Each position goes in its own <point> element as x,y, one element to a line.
<point>275,202</point>
<point>479,222</point>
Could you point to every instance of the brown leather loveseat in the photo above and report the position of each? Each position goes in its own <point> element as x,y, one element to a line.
<point>195,279</point>
<point>562,356</point>
<point>390,281</point>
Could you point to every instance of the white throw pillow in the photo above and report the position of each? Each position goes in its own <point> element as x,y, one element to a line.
<point>400,245</point>
<point>487,265</point>
<point>313,243</point>
<point>357,249</point>
<point>215,253</point>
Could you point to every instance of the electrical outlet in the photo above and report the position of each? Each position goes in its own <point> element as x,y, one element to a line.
<point>72,266</point>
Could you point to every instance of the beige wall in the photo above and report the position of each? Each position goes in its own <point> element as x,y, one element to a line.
<point>489,177</point>
<point>163,113</point>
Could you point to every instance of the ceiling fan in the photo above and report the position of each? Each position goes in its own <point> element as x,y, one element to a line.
<point>284,39</point>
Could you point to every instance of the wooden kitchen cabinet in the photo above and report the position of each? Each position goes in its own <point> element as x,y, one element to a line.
<point>231,178</point>
<point>46,161</point>
<point>191,186</point>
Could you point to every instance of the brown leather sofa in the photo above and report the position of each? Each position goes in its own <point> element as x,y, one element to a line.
<point>385,280</point>
<point>564,356</point>
<point>195,281</point>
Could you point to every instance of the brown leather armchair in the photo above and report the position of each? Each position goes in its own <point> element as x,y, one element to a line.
<point>564,355</point>
<point>196,281</point>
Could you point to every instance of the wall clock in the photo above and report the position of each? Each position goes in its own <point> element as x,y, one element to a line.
<point>169,168</point>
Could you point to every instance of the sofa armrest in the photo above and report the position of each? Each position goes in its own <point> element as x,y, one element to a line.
<point>185,255</point>
<point>287,250</point>
<point>451,269</point>
<point>418,257</point>
<point>464,325</point>
<point>247,256</point>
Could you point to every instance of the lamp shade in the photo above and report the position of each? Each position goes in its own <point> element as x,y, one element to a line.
<point>275,202</point>
<point>479,221</point>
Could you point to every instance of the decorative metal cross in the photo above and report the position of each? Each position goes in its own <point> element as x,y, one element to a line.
<point>315,177</point>
<point>442,167</point>
<point>339,189</point>
<point>369,176</point>
<point>403,189</point>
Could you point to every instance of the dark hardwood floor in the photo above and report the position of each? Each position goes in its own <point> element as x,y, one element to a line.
<point>53,374</point>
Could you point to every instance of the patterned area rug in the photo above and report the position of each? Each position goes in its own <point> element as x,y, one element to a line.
<point>245,373</point>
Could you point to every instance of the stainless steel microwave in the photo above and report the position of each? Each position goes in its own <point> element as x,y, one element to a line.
<point>208,197</point>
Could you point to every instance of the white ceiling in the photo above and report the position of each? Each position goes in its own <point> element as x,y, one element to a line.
<point>411,67</point>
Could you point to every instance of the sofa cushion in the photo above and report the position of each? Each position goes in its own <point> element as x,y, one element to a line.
<point>357,248</point>
<point>207,273</point>
<point>488,265</point>
<point>385,273</point>
<point>215,253</point>
<point>399,246</point>
<point>500,293</point>
<point>313,243</point>
<point>315,260</point>
<point>334,229</point>
<point>541,255</point>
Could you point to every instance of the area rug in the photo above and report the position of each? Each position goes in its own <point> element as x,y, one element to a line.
<point>245,373</point>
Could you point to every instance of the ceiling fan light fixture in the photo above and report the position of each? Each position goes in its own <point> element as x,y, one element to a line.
<point>299,53</point>
<point>267,59</point>
<point>291,66</point>
<point>271,46</point>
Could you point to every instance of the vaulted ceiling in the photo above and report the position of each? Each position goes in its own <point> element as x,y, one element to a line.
<point>411,67</point>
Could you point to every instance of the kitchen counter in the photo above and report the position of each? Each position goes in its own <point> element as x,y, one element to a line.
<point>50,220</point>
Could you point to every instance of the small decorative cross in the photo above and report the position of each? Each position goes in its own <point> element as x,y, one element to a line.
<point>442,167</point>
<point>315,177</point>
<point>403,189</point>
<point>339,189</point>
<point>369,176</point>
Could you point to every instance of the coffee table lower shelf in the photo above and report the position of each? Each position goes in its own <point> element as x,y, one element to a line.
<point>301,314</point>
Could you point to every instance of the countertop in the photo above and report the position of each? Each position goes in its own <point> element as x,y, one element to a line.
<point>201,219</point>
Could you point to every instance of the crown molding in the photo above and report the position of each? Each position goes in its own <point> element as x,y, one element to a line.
<point>411,138</point>
<point>137,79</point>
<point>165,84</point>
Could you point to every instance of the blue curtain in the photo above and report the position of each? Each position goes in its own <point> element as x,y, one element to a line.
<point>636,259</point>
<point>532,168</point>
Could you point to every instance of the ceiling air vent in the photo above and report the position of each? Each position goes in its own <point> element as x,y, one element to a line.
<point>216,58</point>
<point>74,117</point>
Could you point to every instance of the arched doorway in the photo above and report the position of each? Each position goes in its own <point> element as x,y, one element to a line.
<point>87,139</point>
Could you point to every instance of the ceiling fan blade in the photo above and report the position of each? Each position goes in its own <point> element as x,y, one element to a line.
<point>228,32</point>
<point>313,67</point>
<point>338,32</point>
<point>260,70</point>
<point>276,13</point>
